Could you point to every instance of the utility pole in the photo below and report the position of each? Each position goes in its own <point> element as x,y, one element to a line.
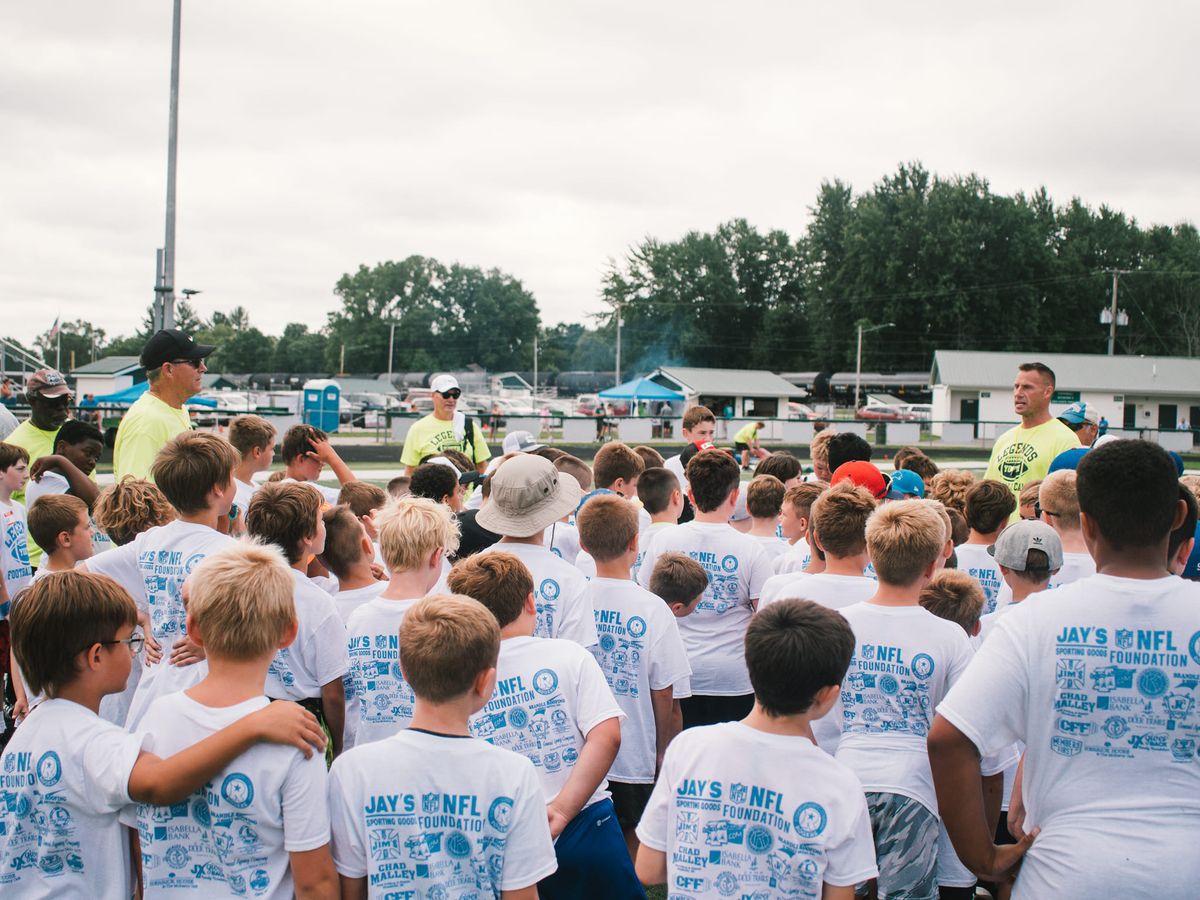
<point>166,285</point>
<point>858,358</point>
<point>618,370</point>
<point>535,364</point>
<point>1112,326</point>
<point>391,349</point>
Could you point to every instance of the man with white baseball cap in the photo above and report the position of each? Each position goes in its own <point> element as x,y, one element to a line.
<point>528,495</point>
<point>445,429</point>
<point>1084,420</point>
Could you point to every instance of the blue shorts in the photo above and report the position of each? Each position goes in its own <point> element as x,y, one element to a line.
<point>593,860</point>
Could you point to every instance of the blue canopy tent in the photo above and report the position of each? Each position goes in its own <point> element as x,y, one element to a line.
<point>130,394</point>
<point>641,389</point>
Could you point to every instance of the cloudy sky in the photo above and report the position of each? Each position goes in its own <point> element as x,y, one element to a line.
<point>541,138</point>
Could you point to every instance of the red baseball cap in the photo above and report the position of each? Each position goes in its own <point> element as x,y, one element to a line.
<point>46,383</point>
<point>863,474</point>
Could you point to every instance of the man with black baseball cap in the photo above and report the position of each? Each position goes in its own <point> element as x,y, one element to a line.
<point>174,365</point>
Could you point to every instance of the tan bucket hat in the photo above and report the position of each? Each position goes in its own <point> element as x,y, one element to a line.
<point>528,495</point>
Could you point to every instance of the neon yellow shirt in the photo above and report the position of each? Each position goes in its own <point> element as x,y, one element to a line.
<point>433,435</point>
<point>38,443</point>
<point>746,434</point>
<point>1022,455</point>
<point>144,430</point>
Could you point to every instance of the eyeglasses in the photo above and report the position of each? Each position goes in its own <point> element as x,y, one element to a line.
<point>135,642</point>
<point>452,394</point>
<point>194,363</point>
<point>1038,511</point>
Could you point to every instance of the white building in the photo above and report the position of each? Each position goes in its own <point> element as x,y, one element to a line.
<point>1156,397</point>
<point>107,376</point>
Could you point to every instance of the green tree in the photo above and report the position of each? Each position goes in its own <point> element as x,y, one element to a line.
<point>78,337</point>
<point>299,350</point>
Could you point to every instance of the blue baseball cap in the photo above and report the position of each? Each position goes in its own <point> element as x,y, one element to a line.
<point>1080,414</point>
<point>905,485</point>
<point>1068,459</point>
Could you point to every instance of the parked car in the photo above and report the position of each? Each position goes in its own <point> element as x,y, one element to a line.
<point>883,413</point>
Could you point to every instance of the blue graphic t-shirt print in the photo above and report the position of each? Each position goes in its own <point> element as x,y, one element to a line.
<point>884,692</point>
<point>546,604</point>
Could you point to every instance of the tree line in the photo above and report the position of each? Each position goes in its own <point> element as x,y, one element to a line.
<point>938,262</point>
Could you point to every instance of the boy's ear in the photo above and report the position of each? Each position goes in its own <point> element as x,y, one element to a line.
<point>289,634</point>
<point>485,684</point>
<point>978,628</point>
<point>633,544</point>
<point>435,558</point>
<point>193,633</point>
<point>530,605</point>
<point>367,548</point>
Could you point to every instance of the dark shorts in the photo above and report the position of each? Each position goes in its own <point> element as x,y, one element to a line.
<point>593,860</point>
<point>706,709</point>
<point>739,446</point>
<point>629,800</point>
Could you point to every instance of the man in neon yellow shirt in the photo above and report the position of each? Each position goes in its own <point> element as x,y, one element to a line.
<point>174,364</point>
<point>1023,454</point>
<point>745,442</point>
<point>445,429</point>
<point>49,401</point>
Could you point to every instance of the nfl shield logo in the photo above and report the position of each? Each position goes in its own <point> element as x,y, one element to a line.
<point>1124,638</point>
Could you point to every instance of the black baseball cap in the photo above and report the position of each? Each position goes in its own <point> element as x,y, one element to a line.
<point>171,343</point>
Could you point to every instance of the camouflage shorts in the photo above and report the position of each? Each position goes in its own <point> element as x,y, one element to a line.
<point>906,837</point>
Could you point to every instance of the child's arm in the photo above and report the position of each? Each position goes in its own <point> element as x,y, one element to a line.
<point>599,750</point>
<point>525,893</point>
<point>836,892</point>
<point>993,796</point>
<point>21,707</point>
<point>333,704</point>
<point>1016,804</point>
<point>651,865</point>
<point>325,452</point>
<point>353,888</point>
<point>81,486</point>
<point>664,722</point>
<point>314,875</point>
<point>162,782</point>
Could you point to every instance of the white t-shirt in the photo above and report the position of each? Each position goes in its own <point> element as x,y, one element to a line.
<point>834,591</point>
<point>743,813</point>
<point>64,779</point>
<point>1075,566</point>
<point>562,539</point>
<point>153,567</point>
<point>232,837</point>
<point>15,556</point>
<point>905,659</point>
<point>328,494</point>
<point>420,813</point>
<point>245,493</point>
<point>562,610</point>
<point>774,546</point>
<point>715,631</point>
<point>795,559</point>
<point>675,464</point>
<point>53,483</point>
<point>1098,678</point>
<point>379,701</point>
<point>975,560</point>
<point>639,651</point>
<point>318,655</point>
<point>346,602</point>
<point>549,694</point>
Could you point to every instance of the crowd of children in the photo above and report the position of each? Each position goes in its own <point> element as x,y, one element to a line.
<point>566,680</point>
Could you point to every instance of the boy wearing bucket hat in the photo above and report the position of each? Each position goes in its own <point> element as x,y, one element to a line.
<point>528,495</point>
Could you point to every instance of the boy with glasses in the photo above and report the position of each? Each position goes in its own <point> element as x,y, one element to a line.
<point>67,773</point>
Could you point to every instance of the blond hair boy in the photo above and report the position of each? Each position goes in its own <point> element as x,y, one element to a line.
<point>1058,507</point>
<point>240,611</point>
<point>415,537</point>
<point>905,659</point>
<point>254,439</point>
<point>74,636</point>
<point>433,768</point>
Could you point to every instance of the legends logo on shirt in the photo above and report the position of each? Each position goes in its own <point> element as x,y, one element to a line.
<point>1014,461</point>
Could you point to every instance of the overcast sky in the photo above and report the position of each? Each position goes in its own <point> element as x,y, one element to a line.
<point>539,138</point>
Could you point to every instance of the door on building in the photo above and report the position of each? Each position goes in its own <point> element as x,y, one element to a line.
<point>1167,416</point>
<point>968,411</point>
<point>1130,421</point>
<point>1194,421</point>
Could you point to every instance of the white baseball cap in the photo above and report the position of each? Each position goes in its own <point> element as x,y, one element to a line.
<point>443,383</point>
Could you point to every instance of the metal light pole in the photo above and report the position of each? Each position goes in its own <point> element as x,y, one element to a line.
<point>165,289</point>
<point>618,370</point>
<point>535,366</point>
<point>391,352</point>
<point>858,359</point>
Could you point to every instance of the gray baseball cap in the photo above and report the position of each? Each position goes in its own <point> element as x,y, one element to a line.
<point>1011,549</point>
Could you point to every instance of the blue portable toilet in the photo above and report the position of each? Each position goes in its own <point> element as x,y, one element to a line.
<point>322,404</point>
